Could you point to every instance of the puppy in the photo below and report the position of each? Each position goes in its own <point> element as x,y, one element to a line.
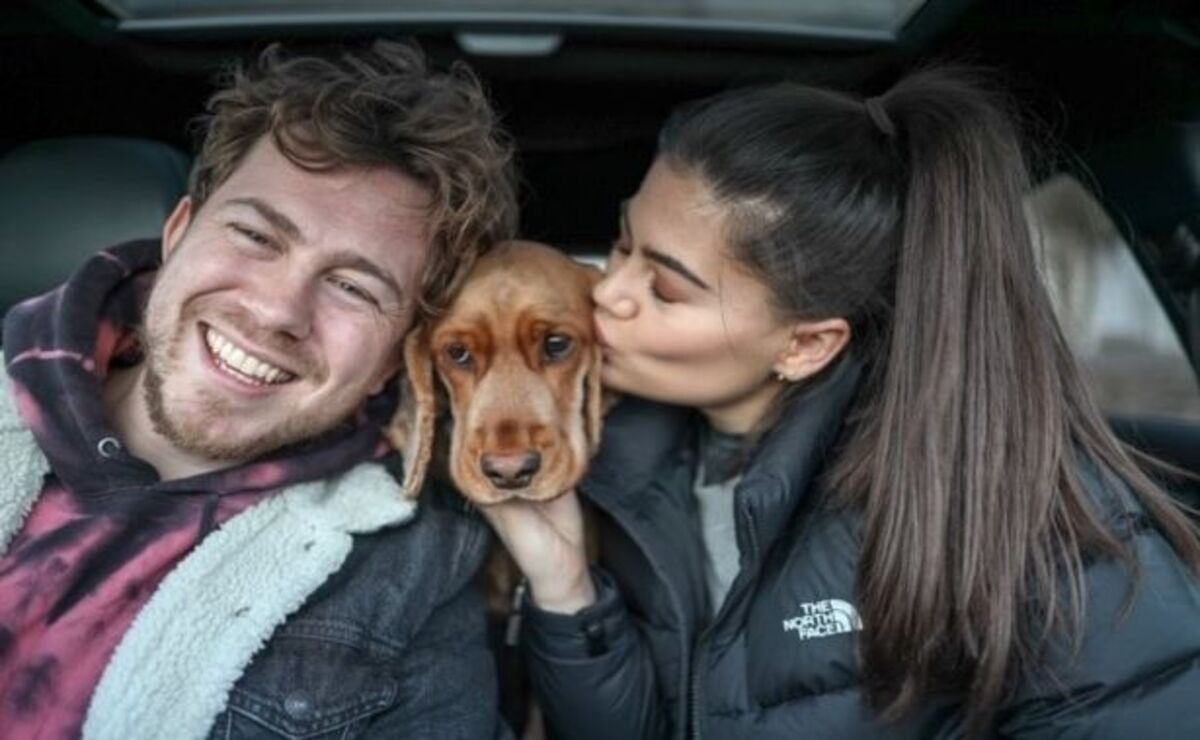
<point>516,360</point>
<point>516,356</point>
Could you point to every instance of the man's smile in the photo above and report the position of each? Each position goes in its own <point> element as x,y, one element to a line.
<point>241,364</point>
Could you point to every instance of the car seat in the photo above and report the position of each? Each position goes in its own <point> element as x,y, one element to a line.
<point>61,200</point>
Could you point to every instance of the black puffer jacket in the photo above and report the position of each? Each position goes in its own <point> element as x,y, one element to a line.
<point>779,659</point>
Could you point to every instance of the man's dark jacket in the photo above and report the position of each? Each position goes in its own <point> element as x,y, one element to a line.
<point>780,658</point>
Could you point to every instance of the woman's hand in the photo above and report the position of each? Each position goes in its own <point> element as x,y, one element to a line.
<point>547,541</point>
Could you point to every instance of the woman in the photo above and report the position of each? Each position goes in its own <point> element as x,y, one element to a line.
<point>887,506</point>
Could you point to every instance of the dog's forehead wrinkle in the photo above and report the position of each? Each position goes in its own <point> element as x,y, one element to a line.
<point>463,320</point>
<point>505,293</point>
<point>523,292</point>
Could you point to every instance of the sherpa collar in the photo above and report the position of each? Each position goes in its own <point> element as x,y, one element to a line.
<point>201,628</point>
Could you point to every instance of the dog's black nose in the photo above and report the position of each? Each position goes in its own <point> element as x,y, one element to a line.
<point>512,470</point>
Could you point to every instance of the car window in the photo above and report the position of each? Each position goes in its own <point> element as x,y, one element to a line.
<point>1115,324</point>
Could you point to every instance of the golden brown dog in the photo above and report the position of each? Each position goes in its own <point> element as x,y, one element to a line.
<point>517,358</point>
<point>516,355</point>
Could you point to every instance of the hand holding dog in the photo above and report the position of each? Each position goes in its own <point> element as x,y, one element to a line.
<point>546,538</point>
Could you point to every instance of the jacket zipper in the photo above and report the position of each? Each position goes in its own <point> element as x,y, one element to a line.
<point>696,688</point>
<point>694,697</point>
<point>674,597</point>
<point>512,628</point>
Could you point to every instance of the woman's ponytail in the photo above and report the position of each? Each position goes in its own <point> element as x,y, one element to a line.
<point>968,453</point>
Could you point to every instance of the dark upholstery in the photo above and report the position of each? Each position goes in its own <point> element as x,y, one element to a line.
<point>63,199</point>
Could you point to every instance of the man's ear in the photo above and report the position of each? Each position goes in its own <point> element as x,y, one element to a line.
<point>811,346</point>
<point>176,225</point>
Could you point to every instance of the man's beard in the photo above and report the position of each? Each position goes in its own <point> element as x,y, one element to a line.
<point>191,429</point>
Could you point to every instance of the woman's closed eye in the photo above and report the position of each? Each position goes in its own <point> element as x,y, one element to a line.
<point>663,292</point>
<point>660,287</point>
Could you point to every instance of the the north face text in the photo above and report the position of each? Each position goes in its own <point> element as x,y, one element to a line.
<point>822,619</point>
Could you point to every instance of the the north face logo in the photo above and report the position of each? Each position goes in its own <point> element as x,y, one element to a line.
<point>823,618</point>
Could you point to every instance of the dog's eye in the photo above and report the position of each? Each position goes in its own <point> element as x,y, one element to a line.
<point>459,354</point>
<point>556,346</point>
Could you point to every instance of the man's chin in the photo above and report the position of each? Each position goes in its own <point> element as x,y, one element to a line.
<point>211,434</point>
<point>209,443</point>
<point>207,427</point>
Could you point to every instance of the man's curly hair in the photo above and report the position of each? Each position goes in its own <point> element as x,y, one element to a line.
<point>377,107</point>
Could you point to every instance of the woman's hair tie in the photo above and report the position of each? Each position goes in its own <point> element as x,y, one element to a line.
<point>879,116</point>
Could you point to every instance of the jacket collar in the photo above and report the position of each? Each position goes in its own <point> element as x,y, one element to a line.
<point>23,467</point>
<point>791,457</point>
<point>212,613</point>
<point>331,503</point>
<point>642,439</point>
<point>638,439</point>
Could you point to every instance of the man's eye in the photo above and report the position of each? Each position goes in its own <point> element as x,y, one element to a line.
<point>458,354</point>
<point>349,288</point>
<point>556,346</point>
<point>251,235</point>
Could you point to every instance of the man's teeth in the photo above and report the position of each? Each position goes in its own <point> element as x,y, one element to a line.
<point>235,358</point>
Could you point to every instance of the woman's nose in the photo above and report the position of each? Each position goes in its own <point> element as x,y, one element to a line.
<point>611,297</point>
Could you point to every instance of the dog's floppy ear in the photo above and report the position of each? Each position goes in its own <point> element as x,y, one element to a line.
<point>411,429</point>
<point>598,401</point>
<point>594,406</point>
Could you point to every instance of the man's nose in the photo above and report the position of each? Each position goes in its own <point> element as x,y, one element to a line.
<point>612,297</point>
<point>282,302</point>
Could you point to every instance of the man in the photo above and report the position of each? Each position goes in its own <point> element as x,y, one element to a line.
<point>198,533</point>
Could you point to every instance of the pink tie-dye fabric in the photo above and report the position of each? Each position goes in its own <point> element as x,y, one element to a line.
<point>51,659</point>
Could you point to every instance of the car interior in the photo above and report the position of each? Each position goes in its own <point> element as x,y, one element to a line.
<point>95,141</point>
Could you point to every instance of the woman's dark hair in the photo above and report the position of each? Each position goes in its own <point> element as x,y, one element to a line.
<point>970,439</point>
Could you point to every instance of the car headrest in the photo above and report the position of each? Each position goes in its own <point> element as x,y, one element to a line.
<point>61,200</point>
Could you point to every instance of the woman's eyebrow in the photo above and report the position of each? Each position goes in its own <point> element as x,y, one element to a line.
<point>658,256</point>
<point>674,265</point>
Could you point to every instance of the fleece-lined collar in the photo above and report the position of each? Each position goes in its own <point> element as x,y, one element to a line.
<point>172,672</point>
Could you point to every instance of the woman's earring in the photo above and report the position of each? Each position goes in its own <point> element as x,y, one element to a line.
<point>781,377</point>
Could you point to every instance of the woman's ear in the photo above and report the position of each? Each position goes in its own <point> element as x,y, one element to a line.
<point>175,226</point>
<point>811,346</point>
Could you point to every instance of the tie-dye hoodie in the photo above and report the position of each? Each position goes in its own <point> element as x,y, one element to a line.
<point>106,530</point>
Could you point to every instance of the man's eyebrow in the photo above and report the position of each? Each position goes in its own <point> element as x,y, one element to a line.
<point>661,258</point>
<point>276,218</point>
<point>355,261</point>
